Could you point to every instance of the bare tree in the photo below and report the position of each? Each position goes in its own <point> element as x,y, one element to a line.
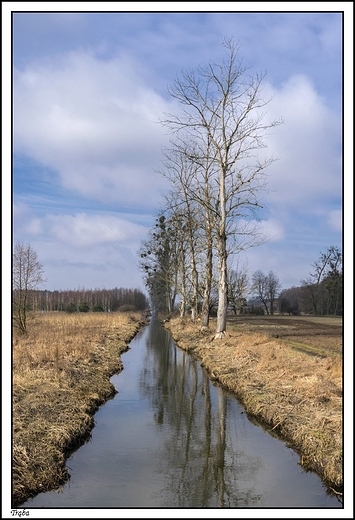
<point>181,172</point>
<point>222,107</point>
<point>260,288</point>
<point>237,287</point>
<point>322,291</point>
<point>27,276</point>
<point>266,287</point>
<point>274,287</point>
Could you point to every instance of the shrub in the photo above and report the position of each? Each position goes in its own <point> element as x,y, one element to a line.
<point>127,308</point>
<point>84,307</point>
<point>97,308</point>
<point>71,308</point>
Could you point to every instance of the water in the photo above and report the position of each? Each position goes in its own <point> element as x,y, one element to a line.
<point>171,438</point>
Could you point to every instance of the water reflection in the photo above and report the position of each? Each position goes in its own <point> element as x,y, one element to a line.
<point>170,438</point>
<point>180,392</point>
<point>202,457</point>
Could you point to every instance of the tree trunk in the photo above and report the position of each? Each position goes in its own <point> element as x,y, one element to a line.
<point>194,285</point>
<point>222,260</point>
<point>205,313</point>
<point>182,306</point>
<point>222,288</point>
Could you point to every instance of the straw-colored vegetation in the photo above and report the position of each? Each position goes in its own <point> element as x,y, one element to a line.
<point>61,372</point>
<point>287,372</point>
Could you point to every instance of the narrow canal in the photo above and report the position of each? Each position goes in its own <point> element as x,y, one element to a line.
<point>171,438</point>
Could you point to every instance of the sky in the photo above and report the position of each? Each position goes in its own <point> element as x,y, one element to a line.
<point>89,89</point>
<point>82,144</point>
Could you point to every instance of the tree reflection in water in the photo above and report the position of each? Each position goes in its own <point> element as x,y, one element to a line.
<point>200,457</point>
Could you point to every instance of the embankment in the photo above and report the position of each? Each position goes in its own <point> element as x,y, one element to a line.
<point>295,393</point>
<point>61,375</point>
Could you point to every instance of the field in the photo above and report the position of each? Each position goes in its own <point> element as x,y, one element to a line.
<point>287,372</point>
<point>313,335</point>
<point>61,372</point>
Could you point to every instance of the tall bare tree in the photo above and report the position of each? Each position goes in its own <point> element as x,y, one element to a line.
<point>190,167</point>
<point>27,276</point>
<point>181,172</point>
<point>266,287</point>
<point>274,287</point>
<point>259,286</point>
<point>222,106</point>
<point>237,287</point>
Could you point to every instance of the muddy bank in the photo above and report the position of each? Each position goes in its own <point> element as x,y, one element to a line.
<point>288,379</point>
<point>54,401</point>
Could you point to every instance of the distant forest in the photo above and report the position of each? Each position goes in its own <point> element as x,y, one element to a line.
<point>83,300</point>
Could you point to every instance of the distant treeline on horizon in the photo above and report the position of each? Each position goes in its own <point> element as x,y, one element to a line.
<point>92,300</point>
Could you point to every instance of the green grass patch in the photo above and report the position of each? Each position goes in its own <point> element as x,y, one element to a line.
<point>310,350</point>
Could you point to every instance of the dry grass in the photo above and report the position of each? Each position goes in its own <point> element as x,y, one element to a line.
<point>292,383</point>
<point>61,373</point>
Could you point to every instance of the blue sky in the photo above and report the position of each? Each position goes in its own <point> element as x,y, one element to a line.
<point>88,90</point>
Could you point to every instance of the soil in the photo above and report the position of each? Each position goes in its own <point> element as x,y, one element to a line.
<point>318,335</point>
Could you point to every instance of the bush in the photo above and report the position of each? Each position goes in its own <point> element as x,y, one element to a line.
<point>71,308</point>
<point>84,307</point>
<point>127,308</point>
<point>254,310</point>
<point>97,308</point>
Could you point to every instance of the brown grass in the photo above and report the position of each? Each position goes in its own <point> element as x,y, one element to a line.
<point>288,375</point>
<point>61,372</point>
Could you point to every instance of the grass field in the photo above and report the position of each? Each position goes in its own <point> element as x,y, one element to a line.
<point>287,372</point>
<point>61,372</point>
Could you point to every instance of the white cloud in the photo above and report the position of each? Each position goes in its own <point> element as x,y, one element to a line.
<point>78,230</point>
<point>94,122</point>
<point>83,250</point>
<point>34,226</point>
<point>82,230</point>
<point>308,146</point>
<point>335,219</point>
<point>272,229</point>
<point>20,211</point>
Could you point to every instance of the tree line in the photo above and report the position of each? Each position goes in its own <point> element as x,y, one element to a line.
<point>89,300</point>
<point>262,293</point>
<point>215,165</point>
<point>322,292</point>
<point>319,294</point>
<point>28,276</point>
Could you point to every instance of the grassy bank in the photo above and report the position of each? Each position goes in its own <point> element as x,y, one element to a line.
<point>61,372</point>
<point>287,372</point>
